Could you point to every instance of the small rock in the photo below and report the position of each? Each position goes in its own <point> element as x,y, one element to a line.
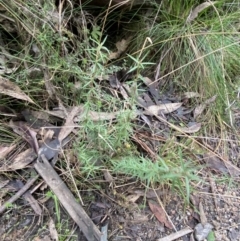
<point>201,232</point>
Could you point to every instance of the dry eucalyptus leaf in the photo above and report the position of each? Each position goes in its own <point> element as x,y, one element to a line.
<point>28,134</point>
<point>123,92</point>
<point>160,214</point>
<point>69,125</point>
<point>9,88</point>
<point>191,129</point>
<point>202,214</point>
<point>215,163</point>
<point>211,100</point>
<point>194,13</point>
<point>162,108</point>
<point>22,160</point>
<point>97,116</point>
<point>198,110</point>
<point>5,150</point>
<point>189,95</point>
<point>83,115</point>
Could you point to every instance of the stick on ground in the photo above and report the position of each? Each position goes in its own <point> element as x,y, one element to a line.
<point>64,195</point>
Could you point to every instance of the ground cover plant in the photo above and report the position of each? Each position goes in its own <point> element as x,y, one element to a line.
<point>126,101</point>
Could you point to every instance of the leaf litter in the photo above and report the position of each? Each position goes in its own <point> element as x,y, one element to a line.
<point>151,105</point>
<point>51,146</point>
<point>9,88</point>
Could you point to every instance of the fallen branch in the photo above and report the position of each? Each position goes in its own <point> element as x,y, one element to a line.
<point>64,195</point>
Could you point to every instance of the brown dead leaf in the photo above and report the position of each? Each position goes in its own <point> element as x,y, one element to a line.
<point>162,108</point>
<point>198,110</point>
<point>97,116</point>
<point>69,125</point>
<point>23,159</point>
<point>5,150</point>
<point>191,129</point>
<point>11,89</point>
<point>124,92</point>
<point>194,13</point>
<point>203,217</point>
<point>215,163</point>
<point>210,100</point>
<point>83,115</point>
<point>26,133</point>
<point>160,214</point>
<point>190,95</point>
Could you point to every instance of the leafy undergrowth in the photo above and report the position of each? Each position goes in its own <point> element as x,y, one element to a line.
<point>147,94</point>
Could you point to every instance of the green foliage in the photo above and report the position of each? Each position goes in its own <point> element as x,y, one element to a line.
<point>178,173</point>
<point>101,140</point>
<point>211,236</point>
